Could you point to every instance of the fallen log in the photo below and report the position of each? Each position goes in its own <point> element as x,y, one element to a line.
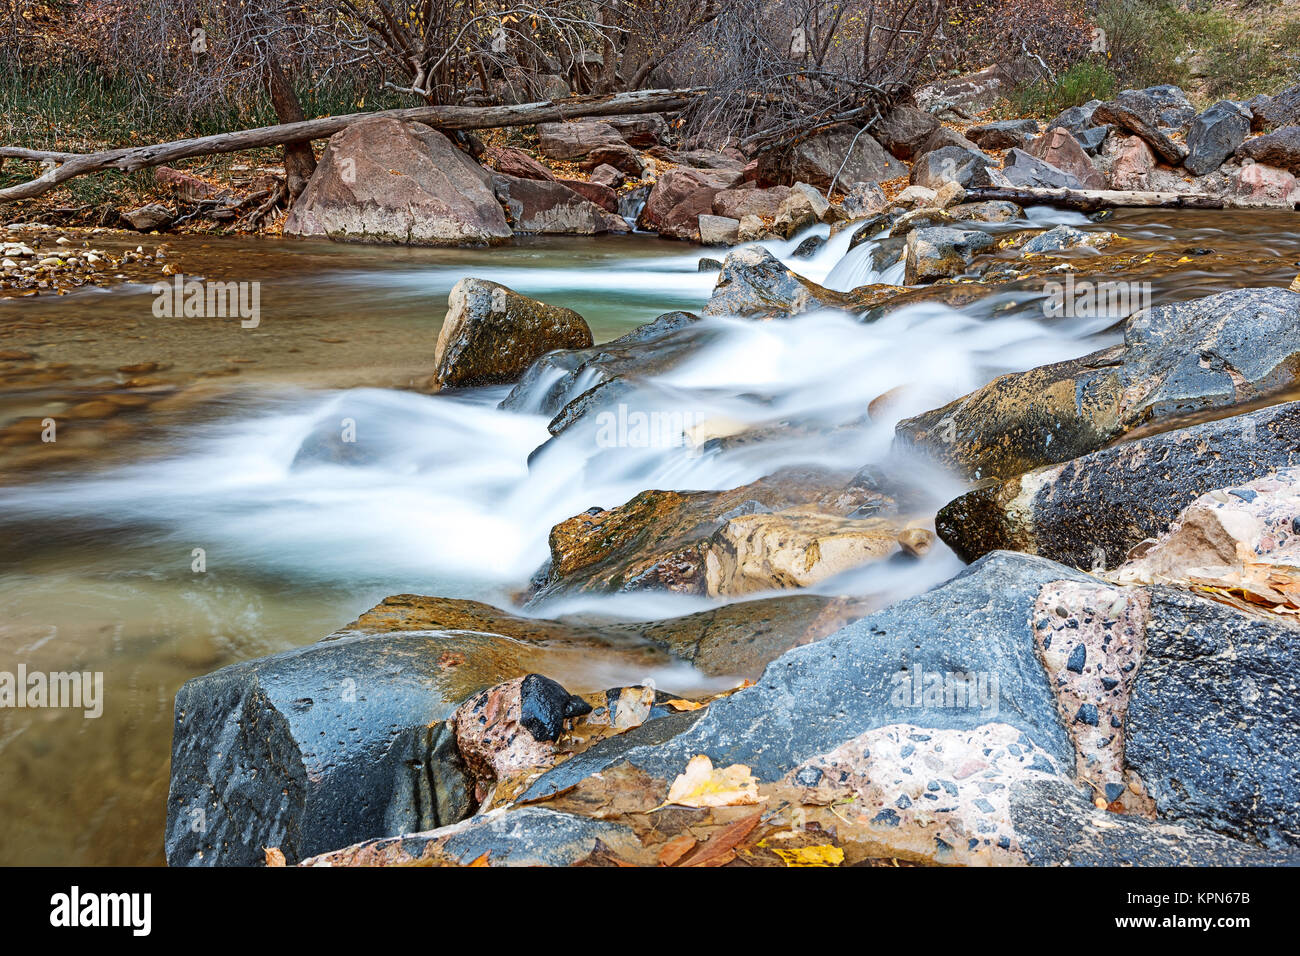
<point>1091,200</point>
<point>65,166</point>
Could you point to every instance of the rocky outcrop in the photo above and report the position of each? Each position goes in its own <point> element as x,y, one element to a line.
<point>555,208</point>
<point>1280,149</point>
<point>491,334</point>
<point>680,197</point>
<point>382,180</point>
<point>1090,512</point>
<point>1223,350</point>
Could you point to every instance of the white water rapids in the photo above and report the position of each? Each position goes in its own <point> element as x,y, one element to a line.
<point>442,499</point>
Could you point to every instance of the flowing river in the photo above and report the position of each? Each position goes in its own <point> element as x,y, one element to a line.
<point>181,434</point>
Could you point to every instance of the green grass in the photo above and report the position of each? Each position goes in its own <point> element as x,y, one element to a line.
<point>75,109</point>
<point>1084,81</point>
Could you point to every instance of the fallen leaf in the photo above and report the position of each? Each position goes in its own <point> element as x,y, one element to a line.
<point>821,855</point>
<point>275,856</point>
<point>686,705</point>
<point>702,786</point>
<point>676,848</point>
<point>721,847</point>
<point>482,859</point>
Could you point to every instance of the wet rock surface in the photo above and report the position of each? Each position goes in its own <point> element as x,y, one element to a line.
<point>1176,360</point>
<point>1093,510</point>
<point>492,334</point>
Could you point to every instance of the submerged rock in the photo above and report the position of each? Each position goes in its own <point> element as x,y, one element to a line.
<point>491,334</point>
<point>1189,357</point>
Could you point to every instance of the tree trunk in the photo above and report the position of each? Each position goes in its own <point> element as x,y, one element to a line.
<point>299,160</point>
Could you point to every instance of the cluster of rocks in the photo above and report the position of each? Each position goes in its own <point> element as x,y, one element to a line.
<point>38,258</point>
<point>1108,683</point>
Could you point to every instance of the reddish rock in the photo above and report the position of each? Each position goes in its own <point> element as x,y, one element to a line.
<point>555,208</point>
<point>1132,164</point>
<point>388,181</point>
<point>680,197</point>
<point>741,202</point>
<point>574,141</point>
<point>602,196</point>
<point>622,157</point>
<point>1266,185</point>
<point>1059,148</point>
<point>515,162</point>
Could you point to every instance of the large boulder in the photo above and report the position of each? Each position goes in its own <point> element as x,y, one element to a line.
<point>1215,135</point>
<point>939,251</point>
<point>949,164</point>
<point>1139,114</point>
<point>841,153</point>
<point>556,208</point>
<point>1058,148</point>
<point>680,197</point>
<point>383,180</point>
<point>1130,163</point>
<point>1180,359</point>
<point>491,334</point>
<point>1280,149</point>
<point>1281,109</point>
<point>515,162</point>
<point>738,203</point>
<point>991,720</point>
<point>1024,169</point>
<point>1003,134</point>
<point>1264,185</point>
<point>903,130</point>
<point>575,140</point>
<point>1090,512</point>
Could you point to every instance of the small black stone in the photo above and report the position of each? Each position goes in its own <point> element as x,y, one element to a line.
<point>1087,715</point>
<point>1078,657</point>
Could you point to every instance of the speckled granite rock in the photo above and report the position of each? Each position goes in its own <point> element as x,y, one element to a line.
<point>1090,511</point>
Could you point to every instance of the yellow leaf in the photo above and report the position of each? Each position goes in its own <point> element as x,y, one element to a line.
<point>702,786</point>
<point>685,704</point>
<point>274,856</point>
<point>821,855</point>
